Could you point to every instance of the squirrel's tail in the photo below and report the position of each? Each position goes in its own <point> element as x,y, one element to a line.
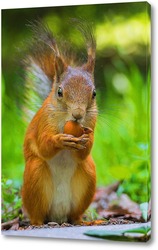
<point>39,66</point>
<point>42,49</point>
<point>39,62</point>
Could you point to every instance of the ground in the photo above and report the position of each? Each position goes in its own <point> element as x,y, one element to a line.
<point>74,232</point>
<point>108,212</point>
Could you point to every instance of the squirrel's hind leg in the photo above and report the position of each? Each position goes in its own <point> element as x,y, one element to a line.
<point>37,190</point>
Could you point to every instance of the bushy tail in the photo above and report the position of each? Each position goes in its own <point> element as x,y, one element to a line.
<point>39,65</point>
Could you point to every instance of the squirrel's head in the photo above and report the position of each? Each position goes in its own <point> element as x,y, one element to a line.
<point>75,95</point>
<point>73,91</point>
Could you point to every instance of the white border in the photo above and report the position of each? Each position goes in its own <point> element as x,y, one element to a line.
<point>5,4</point>
<point>31,243</point>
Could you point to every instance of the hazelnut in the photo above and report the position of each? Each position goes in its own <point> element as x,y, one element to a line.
<point>73,128</point>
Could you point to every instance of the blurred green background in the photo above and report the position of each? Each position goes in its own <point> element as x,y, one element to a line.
<point>122,75</point>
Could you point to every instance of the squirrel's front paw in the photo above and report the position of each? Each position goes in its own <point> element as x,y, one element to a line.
<point>66,141</point>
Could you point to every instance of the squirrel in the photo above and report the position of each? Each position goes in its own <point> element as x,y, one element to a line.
<point>59,179</point>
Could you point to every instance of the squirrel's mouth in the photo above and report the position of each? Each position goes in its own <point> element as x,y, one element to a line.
<point>79,121</point>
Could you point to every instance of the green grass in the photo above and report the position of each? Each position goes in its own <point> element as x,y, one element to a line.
<point>13,130</point>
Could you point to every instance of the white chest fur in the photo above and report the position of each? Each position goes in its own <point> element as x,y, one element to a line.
<point>62,167</point>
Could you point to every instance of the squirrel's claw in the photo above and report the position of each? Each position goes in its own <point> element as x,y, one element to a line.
<point>66,141</point>
<point>73,145</point>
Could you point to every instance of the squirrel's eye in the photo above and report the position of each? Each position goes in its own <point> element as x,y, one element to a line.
<point>94,94</point>
<point>60,92</point>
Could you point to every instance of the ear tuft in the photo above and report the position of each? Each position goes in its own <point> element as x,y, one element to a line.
<point>86,30</point>
<point>60,67</point>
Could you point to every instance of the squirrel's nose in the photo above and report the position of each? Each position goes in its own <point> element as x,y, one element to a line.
<point>78,113</point>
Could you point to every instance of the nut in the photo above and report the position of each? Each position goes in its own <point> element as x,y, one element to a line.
<point>73,128</point>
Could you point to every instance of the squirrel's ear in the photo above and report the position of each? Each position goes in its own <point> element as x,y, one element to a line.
<point>86,30</point>
<point>91,51</point>
<point>89,66</point>
<point>60,67</point>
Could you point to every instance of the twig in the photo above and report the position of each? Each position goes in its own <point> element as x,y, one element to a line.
<point>8,224</point>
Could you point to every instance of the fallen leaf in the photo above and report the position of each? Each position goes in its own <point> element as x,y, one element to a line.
<point>134,234</point>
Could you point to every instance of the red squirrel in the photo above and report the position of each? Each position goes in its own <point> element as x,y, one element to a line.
<point>60,178</point>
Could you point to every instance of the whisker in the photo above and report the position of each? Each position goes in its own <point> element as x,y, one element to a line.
<point>113,129</point>
<point>112,122</point>
<point>92,111</point>
<point>107,115</point>
<point>115,118</point>
<point>109,108</point>
<point>106,123</point>
<point>112,112</point>
<point>100,122</point>
<point>59,113</point>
